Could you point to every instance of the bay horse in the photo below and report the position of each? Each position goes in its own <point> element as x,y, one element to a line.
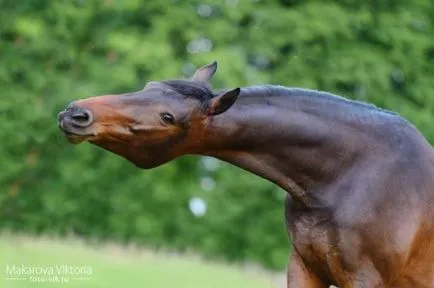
<point>359,179</point>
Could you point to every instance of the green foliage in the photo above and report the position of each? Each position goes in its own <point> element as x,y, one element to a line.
<point>52,52</point>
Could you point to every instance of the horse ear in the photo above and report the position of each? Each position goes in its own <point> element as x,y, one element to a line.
<point>223,102</point>
<point>205,73</point>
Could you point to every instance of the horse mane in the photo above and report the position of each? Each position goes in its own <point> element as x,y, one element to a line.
<point>277,90</point>
<point>202,91</point>
<point>198,90</point>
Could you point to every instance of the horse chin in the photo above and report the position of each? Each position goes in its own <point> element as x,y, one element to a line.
<point>76,139</point>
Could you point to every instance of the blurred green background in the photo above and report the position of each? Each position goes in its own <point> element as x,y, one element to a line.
<point>53,52</point>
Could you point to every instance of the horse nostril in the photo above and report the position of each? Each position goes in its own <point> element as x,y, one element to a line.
<point>81,117</point>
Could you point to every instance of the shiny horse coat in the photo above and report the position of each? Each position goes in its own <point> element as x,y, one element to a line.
<point>360,180</point>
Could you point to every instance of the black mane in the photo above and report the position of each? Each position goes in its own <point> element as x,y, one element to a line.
<point>197,90</point>
<point>202,92</point>
<point>277,90</point>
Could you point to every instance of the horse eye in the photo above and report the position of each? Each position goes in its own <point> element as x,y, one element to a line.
<point>168,118</point>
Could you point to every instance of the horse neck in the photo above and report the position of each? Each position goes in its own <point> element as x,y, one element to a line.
<point>289,141</point>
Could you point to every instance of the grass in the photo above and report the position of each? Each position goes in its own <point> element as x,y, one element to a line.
<point>109,266</point>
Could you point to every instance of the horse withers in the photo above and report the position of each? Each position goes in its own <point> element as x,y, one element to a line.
<point>359,179</point>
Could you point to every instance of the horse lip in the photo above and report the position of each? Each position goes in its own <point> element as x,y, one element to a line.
<point>69,129</point>
<point>75,139</point>
<point>73,136</point>
<point>68,133</point>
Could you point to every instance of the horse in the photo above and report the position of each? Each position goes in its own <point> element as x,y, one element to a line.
<point>359,179</point>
